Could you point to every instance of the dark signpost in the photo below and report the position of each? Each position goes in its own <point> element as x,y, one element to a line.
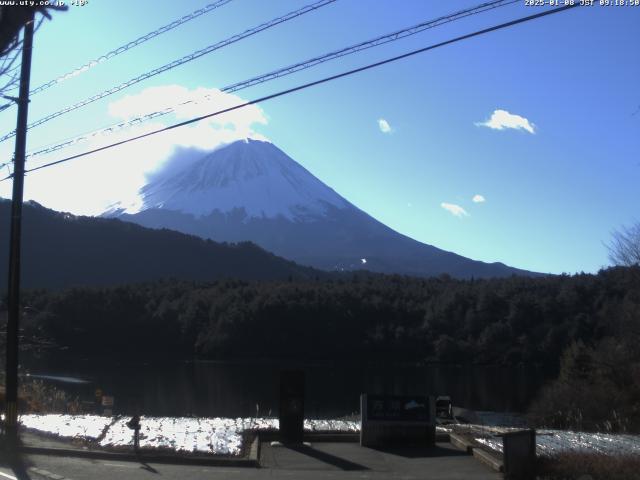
<point>519,450</point>
<point>291,411</point>
<point>397,419</point>
<point>134,424</point>
<point>397,408</point>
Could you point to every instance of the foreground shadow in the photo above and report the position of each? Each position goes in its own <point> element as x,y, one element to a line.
<point>147,467</point>
<point>421,452</point>
<point>327,458</point>
<point>15,463</point>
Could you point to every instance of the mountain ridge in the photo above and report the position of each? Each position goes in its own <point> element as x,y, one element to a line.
<point>63,250</point>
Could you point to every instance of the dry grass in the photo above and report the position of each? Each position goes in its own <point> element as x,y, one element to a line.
<point>590,466</point>
<point>34,396</point>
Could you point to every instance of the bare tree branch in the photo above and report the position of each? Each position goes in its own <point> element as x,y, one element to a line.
<point>624,247</point>
<point>12,19</point>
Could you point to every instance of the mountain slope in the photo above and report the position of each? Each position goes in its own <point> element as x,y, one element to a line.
<point>61,250</point>
<point>251,190</point>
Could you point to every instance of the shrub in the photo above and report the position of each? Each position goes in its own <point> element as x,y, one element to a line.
<point>589,466</point>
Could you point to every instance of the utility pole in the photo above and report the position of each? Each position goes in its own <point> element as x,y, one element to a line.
<point>11,416</point>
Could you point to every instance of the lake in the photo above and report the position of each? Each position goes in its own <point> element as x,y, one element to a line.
<point>236,389</point>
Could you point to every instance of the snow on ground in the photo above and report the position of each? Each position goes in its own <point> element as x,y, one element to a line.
<point>86,427</point>
<point>331,426</point>
<point>224,436</point>
<point>220,436</point>
<point>552,442</point>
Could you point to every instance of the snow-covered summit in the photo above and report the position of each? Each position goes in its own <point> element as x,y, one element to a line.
<point>249,174</point>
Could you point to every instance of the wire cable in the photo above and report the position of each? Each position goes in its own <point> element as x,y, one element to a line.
<point>380,40</point>
<point>128,46</point>
<point>6,164</point>
<point>176,63</point>
<point>308,85</point>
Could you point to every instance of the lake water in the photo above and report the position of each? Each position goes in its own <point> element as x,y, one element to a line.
<point>228,389</point>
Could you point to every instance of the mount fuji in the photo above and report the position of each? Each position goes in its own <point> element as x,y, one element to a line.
<point>251,190</point>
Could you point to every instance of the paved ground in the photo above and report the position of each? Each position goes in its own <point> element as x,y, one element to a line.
<point>319,461</point>
<point>35,440</point>
<point>349,460</point>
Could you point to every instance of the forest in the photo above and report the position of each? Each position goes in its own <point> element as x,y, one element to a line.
<point>583,329</point>
<point>499,321</point>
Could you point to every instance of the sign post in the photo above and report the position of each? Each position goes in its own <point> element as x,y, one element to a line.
<point>392,420</point>
<point>107,405</point>
<point>291,412</point>
<point>519,449</point>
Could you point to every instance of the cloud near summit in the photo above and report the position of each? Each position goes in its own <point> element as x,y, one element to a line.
<point>208,133</point>
<point>101,181</point>
<point>153,153</point>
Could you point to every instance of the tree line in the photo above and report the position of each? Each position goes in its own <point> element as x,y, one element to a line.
<point>513,320</point>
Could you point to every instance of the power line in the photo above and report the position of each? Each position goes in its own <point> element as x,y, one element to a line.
<point>308,85</point>
<point>180,61</point>
<point>128,46</point>
<point>380,40</point>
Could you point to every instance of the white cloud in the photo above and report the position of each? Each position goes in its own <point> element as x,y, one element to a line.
<point>384,125</point>
<point>454,209</point>
<point>116,174</point>
<point>477,198</point>
<point>230,126</point>
<point>501,119</point>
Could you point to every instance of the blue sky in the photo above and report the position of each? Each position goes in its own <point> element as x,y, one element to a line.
<point>553,189</point>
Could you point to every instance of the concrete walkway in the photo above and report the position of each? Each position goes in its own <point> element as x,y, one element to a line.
<point>318,460</point>
<point>350,460</point>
